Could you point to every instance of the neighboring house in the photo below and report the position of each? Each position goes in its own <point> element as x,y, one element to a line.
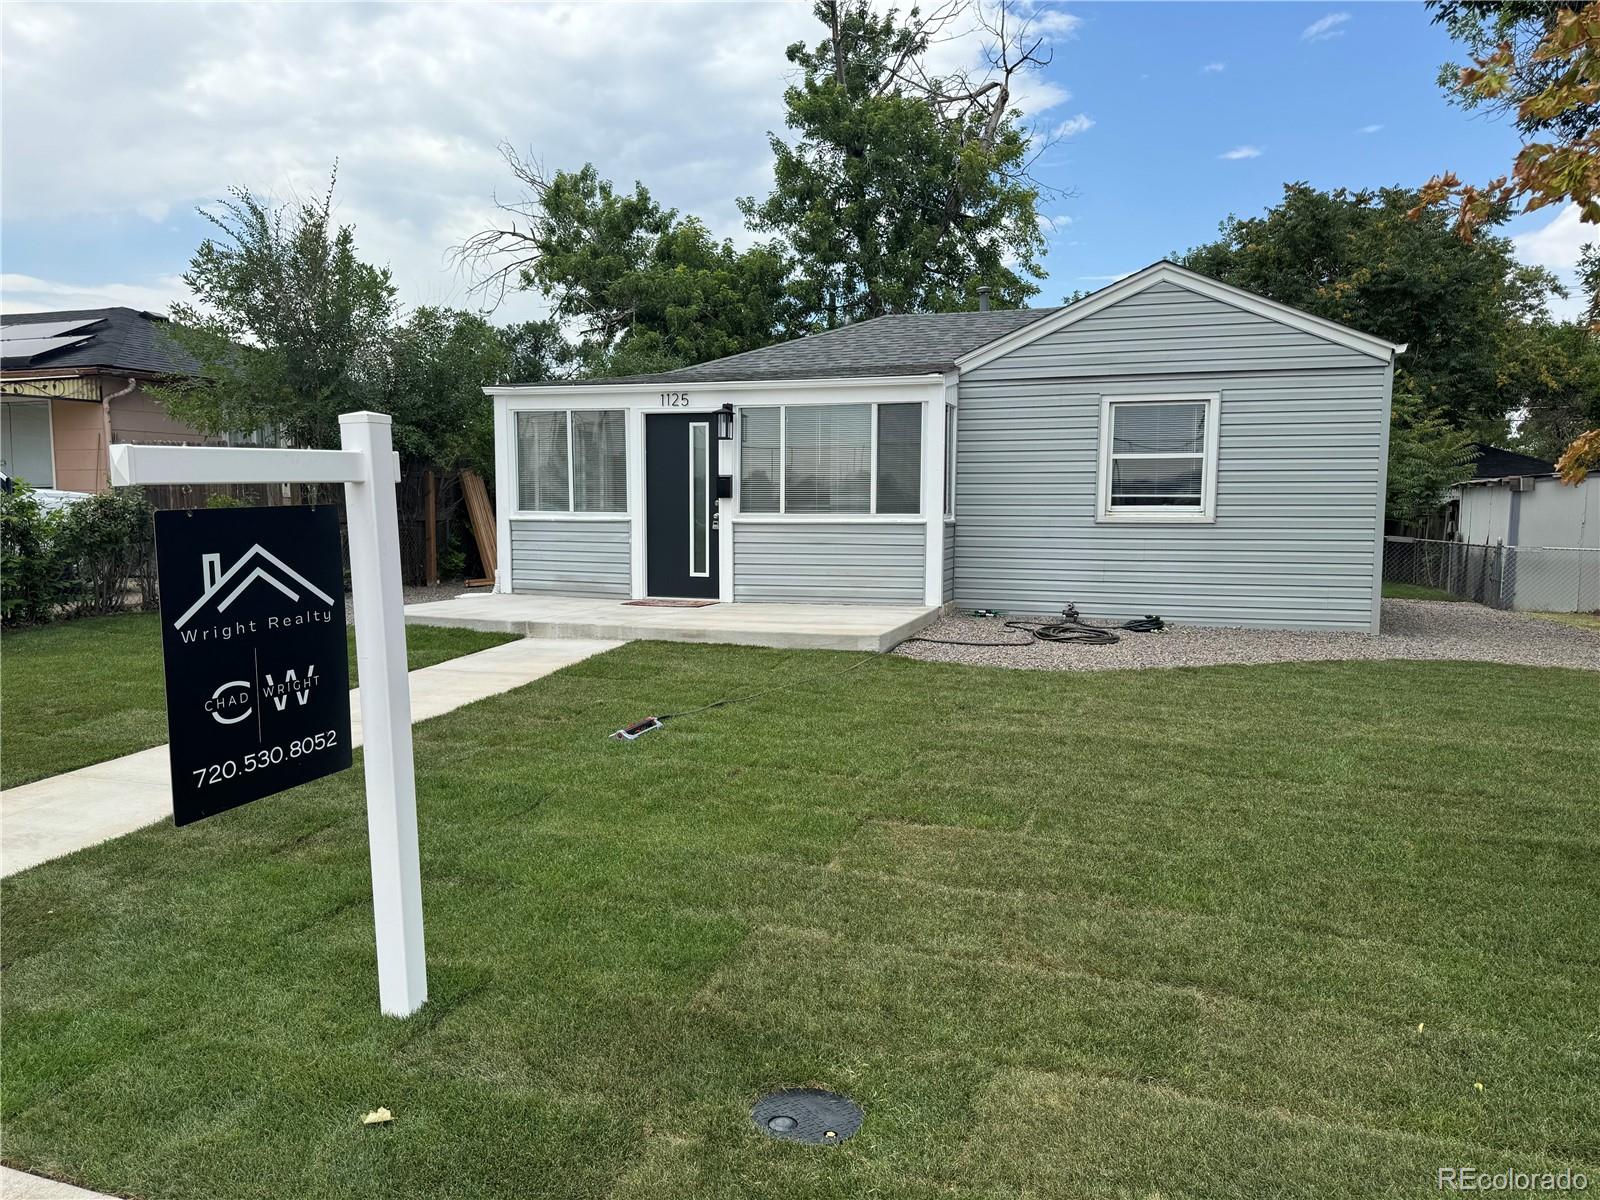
<point>1169,444</point>
<point>72,383</point>
<point>1520,501</point>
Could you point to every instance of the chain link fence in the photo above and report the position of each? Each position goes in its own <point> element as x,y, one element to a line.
<point>1531,578</point>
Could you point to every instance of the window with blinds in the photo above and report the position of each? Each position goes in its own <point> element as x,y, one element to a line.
<point>572,461</point>
<point>599,461</point>
<point>542,462</point>
<point>760,459</point>
<point>1161,456</point>
<point>899,458</point>
<point>827,458</point>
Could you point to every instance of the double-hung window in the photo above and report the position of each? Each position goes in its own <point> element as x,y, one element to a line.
<point>1158,458</point>
<point>572,461</point>
<point>831,459</point>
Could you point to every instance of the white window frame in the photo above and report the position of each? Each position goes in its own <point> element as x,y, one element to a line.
<point>570,513</point>
<point>701,431</point>
<point>783,513</point>
<point>1206,514</point>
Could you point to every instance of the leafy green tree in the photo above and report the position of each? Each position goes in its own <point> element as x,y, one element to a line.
<point>439,361</point>
<point>642,287</point>
<point>290,326</point>
<point>1552,372</point>
<point>1355,257</point>
<point>1427,454</point>
<point>903,191</point>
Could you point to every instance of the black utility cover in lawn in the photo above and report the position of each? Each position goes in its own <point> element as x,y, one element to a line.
<point>253,639</point>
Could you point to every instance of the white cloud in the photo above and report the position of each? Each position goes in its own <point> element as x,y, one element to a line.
<point>1239,152</point>
<point>1556,245</point>
<point>1369,129</point>
<point>1105,278</point>
<point>1055,224</point>
<point>1073,126</point>
<point>27,293</point>
<point>411,100</point>
<point>1214,68</point>
<point>1330,26</point>
<point>1052,20</point>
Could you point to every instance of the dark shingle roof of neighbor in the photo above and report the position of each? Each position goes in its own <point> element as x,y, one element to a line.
<point>125,340</point>
<point>899,344</point>
<point>1491,462</point>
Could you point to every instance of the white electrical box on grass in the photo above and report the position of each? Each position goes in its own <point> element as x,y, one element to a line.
<point>369,469</point>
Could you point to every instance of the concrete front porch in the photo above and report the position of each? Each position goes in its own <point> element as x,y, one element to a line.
<point>784,626</point>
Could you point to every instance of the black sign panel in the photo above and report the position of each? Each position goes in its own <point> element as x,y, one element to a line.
<point>253,636</point>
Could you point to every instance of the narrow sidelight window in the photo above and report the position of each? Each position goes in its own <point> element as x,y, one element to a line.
<point>700,499</point>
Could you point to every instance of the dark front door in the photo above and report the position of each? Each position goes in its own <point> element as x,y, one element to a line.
<point>680,487</point>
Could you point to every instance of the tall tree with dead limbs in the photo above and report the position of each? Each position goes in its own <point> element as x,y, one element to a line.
<point>905,189</point>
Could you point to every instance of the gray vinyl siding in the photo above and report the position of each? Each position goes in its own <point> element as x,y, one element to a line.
<point>1299,473</point>
<point>949,592</point>
<point>828,563</point>
<point>577,558</point>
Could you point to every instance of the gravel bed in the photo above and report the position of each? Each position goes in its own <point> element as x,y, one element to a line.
<point>1415,629</point>
<point>419,595</point>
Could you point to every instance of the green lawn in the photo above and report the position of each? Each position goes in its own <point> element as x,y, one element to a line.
<point>1232,932</point>
<point>80,692</point>
<point>1417,591</point>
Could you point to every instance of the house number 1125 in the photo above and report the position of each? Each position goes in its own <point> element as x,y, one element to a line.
<point>674,399</point>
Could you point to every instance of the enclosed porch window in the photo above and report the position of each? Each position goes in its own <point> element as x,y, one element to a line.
<point>831,459</point>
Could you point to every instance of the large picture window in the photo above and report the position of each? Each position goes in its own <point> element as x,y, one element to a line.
<point>1158,458</point>
<point>831,459</point>
<point>573,461</point>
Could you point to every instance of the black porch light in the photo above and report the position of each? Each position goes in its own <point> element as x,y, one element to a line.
<point>725,423</point>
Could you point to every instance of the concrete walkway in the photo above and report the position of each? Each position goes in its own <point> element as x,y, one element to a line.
<point>18,1185</point>
<point>51,817</point>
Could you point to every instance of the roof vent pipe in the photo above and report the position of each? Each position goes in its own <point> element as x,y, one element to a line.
<point>983,298</point>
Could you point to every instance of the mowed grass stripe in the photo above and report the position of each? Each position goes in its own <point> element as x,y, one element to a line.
<point>629,943</point>
<point>879,1001</point>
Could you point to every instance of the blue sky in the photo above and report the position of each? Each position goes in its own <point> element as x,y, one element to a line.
<point>100,184</point>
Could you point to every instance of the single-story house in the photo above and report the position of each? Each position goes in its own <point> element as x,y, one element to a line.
<point>1168,444</point>
<point>72,383</point>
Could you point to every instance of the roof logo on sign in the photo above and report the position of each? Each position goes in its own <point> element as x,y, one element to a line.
<point>216,580</point>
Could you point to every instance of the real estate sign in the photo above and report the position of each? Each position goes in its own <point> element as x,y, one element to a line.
<point>253,638</point>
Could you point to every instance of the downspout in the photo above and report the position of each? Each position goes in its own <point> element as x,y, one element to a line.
<point>105,429</point>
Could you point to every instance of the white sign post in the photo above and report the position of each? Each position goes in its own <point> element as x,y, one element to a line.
<point>369,470</point>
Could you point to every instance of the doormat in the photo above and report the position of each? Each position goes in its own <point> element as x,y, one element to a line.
<point>669,603</point>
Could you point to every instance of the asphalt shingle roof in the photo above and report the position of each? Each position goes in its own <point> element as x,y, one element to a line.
<point>126,340</point>
<point>899,344</point>
<point>1491,462</point>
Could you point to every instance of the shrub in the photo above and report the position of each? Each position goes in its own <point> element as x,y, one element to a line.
<point>106,549</point>
<point>30,575</point>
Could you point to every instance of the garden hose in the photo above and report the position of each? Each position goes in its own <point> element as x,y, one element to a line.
<point>1068,629</point>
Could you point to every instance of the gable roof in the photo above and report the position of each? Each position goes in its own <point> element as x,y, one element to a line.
<point>934,343</point>
<point>898,344</point>
<point>118,339</point>
<point>1171,272</point>
<point>1492,462</point>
